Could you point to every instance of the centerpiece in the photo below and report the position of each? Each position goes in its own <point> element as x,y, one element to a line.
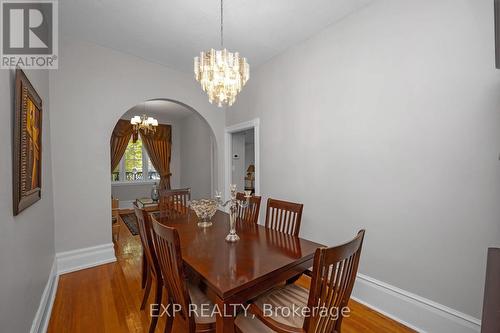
<point>235,204</point>
<point>205,209</point>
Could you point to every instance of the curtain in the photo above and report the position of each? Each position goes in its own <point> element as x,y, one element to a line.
<point>119,141</point>
<point>159,148</point>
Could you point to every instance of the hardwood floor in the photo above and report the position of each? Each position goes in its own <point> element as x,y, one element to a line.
<point>106,298</point>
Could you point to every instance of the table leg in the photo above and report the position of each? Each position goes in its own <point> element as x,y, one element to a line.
<point>144,271</point>
<point>225,317</point>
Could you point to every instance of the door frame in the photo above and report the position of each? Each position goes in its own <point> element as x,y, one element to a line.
<point>228,133</point>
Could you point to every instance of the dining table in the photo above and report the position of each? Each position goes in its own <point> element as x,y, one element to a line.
<point>235,273</point>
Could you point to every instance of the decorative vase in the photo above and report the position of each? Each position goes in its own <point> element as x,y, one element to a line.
<point>205,209</point>
<point>155,193</point>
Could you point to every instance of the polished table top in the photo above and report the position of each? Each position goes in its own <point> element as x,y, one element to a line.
<point>229,268</point>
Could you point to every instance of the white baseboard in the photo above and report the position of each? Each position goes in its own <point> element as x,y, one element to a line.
<point>42,316</point>
<point>75,260</point>
<point>416,312</point>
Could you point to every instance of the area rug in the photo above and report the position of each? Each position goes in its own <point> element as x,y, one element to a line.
<point>131,222</point>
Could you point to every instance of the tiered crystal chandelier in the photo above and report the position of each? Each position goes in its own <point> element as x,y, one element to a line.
<point>222,74</point>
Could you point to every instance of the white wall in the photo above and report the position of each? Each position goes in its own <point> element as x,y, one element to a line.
<point>27,240</point>
<point>390,121</point>
<point>93,82</point>
<point>196,156</point>
<point>127,193</point>
<point>238,164</point>
<point>249,155</point>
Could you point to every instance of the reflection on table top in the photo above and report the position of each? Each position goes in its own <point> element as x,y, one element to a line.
<point>231,267</point>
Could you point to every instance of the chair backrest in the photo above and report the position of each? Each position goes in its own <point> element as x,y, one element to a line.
<point>174,203</point>
<point>146,235</point>
<point>284,216</point>
<point>283,243</point>
<point>251,213</point>
<point>334,273</point>
<point>168,249</point>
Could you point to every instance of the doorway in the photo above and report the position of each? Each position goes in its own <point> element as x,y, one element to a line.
<point>242,157</point>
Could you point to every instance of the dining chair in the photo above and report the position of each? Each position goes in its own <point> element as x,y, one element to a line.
<point>284,216</point>
<point>334,273</point>
<point>283,243</point>
<point>151,261</point>
<point>181,291</point>
<point>115,226</point>
<point>251,213</point>
<point>174,203</point>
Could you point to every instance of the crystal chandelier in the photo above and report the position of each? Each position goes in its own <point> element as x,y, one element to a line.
<point>222,74</point>
<point>144,123</point>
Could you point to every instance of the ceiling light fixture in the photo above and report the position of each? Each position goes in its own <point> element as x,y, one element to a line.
<point>222,74</point>
<point>144,123</point>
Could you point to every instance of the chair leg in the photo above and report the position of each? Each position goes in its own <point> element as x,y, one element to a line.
<point>146,291</point>
<point>170,319</point>
<point>158,294</point>
<point>144,271</point>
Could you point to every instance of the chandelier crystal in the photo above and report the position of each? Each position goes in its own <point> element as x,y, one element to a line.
<point>144,123</point>
<point>222,74</point>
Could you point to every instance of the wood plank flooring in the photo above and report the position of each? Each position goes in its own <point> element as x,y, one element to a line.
<point>106,298</point>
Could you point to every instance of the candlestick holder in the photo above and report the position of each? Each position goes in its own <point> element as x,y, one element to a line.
<point>234,205</point>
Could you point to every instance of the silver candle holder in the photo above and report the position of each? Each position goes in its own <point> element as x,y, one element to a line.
<point>234,205</point>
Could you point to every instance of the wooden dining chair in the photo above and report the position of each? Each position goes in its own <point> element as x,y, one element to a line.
<point>180,290</point>
<point>249,214</point>
<point>174,203</point>
<point>284,216</point>
<point>151,261</point>
<point>334,273</point>
<point>284,243</point>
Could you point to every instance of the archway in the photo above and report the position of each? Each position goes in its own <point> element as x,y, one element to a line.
<point>193,159</point>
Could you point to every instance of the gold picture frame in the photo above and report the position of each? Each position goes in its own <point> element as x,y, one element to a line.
<point>27,152</point>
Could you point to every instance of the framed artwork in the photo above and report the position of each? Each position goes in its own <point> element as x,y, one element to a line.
<point>27,151</point>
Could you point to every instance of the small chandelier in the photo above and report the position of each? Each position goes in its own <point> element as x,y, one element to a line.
<point>222,74</point>
<point>144,123</point>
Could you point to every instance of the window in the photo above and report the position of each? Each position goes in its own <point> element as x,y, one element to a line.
<point>135,165</point>
<point>152,174</point>
<point>133,161</point>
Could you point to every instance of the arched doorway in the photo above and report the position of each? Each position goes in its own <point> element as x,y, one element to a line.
<point>193,154</point>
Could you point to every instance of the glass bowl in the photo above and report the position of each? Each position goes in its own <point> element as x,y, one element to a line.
<point>205,209</point>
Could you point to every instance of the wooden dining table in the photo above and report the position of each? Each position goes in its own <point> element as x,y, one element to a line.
<point>238,272</point>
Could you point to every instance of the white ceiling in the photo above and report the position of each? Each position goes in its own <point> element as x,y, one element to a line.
<point>163,111</point>
<point>172,32</point>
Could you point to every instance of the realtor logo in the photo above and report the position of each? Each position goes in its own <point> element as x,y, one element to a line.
<point>29,34</point>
